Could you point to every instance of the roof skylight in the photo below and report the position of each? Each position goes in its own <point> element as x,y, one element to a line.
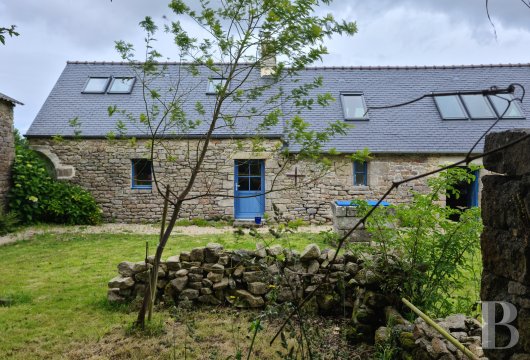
<point>96,85</point>
<point>500,102</point>
<point>353,106</point>
<point>121,85</point>
<point>478,107</point>
<point>214,85</point>
<point>450,107</point>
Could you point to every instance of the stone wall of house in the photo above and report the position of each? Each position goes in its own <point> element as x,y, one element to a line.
<point>104,168</point>
<point>505,240</point>
<point>7,149</point>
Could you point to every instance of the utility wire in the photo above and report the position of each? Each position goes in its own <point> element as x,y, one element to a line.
<point>491,21</point>
<point>491,91</point>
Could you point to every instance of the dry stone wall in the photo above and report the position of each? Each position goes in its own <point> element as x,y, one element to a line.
<point>104,168</point>
<point>505,240</point>
<point>268,275</point>
<point>7,149</point>
<point>347,287</point>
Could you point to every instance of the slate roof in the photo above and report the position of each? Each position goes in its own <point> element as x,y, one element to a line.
<point>9,99</point>
<point>416,128</point>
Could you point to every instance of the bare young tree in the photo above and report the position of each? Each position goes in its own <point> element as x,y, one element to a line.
<point>251,53</point>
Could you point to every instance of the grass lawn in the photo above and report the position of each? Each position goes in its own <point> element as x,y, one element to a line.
<point>57,284</point>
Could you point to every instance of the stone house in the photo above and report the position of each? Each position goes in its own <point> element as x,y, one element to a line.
<point>404,141</point>
<point>7,145</point>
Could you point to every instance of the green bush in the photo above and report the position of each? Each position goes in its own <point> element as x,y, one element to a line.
<point>37,197</point>
<point>8,221</point>
<point>424,255</point>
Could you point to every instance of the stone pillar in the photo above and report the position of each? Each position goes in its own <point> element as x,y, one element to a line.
<point>505,241</point>
<point>344,219</point>
<point>7,149</point>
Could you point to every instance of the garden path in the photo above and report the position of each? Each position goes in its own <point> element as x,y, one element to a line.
<point>148,229</point>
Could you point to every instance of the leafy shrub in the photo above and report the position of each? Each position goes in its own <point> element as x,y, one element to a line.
<point>8,221</point>
<point>425,256</point>
<point>296,223</point>
<point>203,223</point>
<point>36,196</point>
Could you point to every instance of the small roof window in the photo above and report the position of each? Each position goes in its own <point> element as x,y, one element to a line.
<point>353,106</point>
<point>501,101</point>
<point>96,85</point>
<point>121,85</point>
<point>478,107</point>
<point>214,85</point>
<point>450,107</point>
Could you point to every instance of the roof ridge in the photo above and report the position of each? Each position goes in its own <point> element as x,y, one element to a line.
<point>416,67</point>
<point>359,67</point>
<point>9,99</point>
<point>139,62</point>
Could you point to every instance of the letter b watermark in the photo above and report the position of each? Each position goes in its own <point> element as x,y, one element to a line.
<point>489,324</point>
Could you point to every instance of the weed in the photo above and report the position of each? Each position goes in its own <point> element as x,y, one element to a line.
<point>9,299</point>
<point>8,221</point>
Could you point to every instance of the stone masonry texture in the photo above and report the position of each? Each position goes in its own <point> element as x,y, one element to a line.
<point>104,168</point>
<point>505,241</point>
<point>7,149</point>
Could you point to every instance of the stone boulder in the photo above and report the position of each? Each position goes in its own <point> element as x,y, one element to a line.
<point>211,252</point>
<point>128,268</point>
<point>173,263</point>
<point>122,283</point>
<point>197,255</point>
<point>242,298</point>
<point>311,252</point>
<point>258,288</point>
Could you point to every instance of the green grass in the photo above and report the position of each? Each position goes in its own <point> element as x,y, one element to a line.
<point>57,284</point>
<point>202,223</point>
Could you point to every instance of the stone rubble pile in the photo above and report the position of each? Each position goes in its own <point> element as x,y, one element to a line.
<point>420,341</point>
<point>430,344</point>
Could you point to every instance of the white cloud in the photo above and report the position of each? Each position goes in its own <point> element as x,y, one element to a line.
<point>406,32</point>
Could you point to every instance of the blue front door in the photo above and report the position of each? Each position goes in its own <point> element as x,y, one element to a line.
<point>249,191</point>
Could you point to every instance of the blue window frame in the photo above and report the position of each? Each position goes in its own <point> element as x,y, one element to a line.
<point>142,174</point>
<point>474,190</point>
<point>360,173</point>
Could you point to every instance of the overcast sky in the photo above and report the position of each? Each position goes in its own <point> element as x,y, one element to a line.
<point>391,32</point>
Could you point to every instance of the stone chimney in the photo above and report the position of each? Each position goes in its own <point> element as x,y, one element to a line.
<point>267,56</point>
<point>7,146</point>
